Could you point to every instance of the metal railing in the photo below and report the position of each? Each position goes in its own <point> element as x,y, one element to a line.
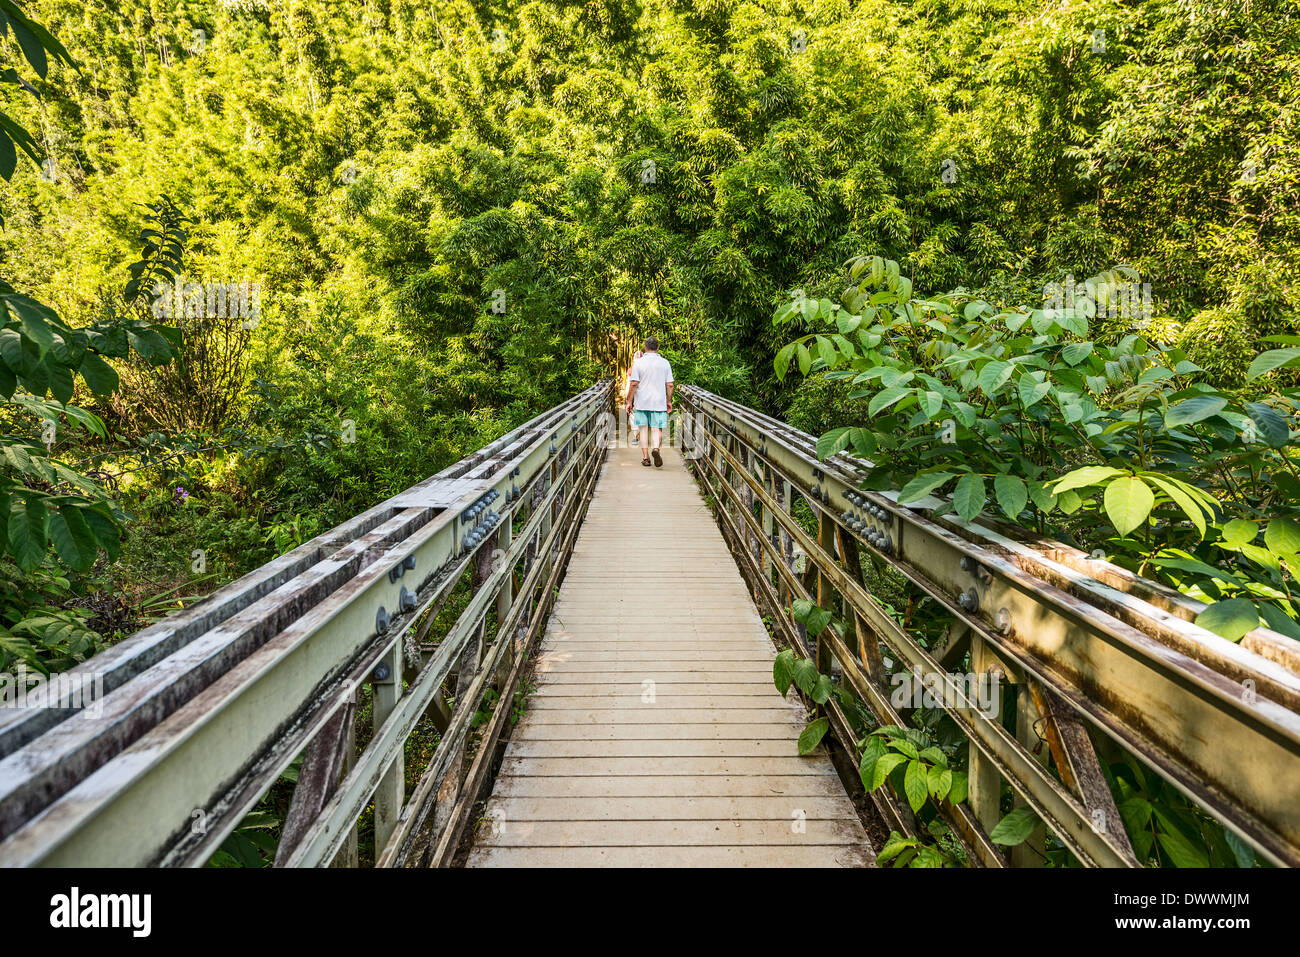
<point>1093,656</point>
<point>413,610</point>
<point>202,713</point>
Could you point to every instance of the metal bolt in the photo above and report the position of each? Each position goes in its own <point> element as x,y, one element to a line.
<point>966,563</point>
<point>382,671</point>
<point>1003,621</point>
<point>408,562</point>
<point>396,572</point>
<point>381,620</point>
<point>969,600</point>
<point>406,600</point>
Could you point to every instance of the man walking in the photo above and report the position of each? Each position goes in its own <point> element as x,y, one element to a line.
<point>650,394</point>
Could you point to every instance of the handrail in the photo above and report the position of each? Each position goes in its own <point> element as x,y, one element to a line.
<point>202,713</point>
<point>1089,650</point>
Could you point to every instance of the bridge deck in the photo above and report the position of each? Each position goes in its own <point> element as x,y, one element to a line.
<point>655,736</point>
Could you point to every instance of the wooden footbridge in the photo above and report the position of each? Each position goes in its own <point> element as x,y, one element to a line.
<point>549,655</point>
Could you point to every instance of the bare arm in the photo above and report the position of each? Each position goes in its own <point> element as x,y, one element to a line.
<point>670,396</point>
<point>631,391</point>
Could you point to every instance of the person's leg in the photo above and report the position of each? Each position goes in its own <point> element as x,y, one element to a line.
<point>641,423</point>
<point>657,422</point>
<point>657,435</point>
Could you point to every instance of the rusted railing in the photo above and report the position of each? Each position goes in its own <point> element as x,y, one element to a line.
<point>436,593</point>
<point>1089,656</point>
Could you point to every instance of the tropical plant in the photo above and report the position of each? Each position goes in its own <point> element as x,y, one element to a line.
<point>1114,443</point>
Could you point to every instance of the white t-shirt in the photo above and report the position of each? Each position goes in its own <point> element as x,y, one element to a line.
<point>653,373</point>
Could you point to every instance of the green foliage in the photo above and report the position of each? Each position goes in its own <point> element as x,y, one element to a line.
<point>1116,444</point>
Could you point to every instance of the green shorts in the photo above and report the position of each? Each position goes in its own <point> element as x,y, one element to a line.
<point>656,420</point>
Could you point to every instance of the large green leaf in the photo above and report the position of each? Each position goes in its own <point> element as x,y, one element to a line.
<point>968,496</point>
<point>1231,618</point>
<point>782,362</point>
<point>836,440</point>
<point>783,671</point>
<point>994,375</point>
<point>1015,828</point>
<point>940,781</point>
<point>1195,409</point>
<point>1128,502</point>
<point>1032,390</point>
<point>1270,425</point>
<point>1076,352</point>
<point>812,735</point>
<point>1270,360</point>
<point>921,486</point>
<point>27,539</point>
<point>1282,536</point>
<point>1181,852</point>
<point>805,675</point>
<point>873,750</point>
<point>881,770</point>
<point>72,537</point>
<point>1182,497</point>
<point>1012,494</point>
<point>916,783</point>
<point>1082,477</point>
<point>886,397</point>
<point>957,793</point>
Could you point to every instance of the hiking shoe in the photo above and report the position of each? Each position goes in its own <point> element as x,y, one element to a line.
<point>658,459</point>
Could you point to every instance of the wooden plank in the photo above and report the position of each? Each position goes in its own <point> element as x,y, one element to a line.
<point>613,715</point>
<point>672,785</point>
<point>707,773</point>
<point>743,652</point>
<point>718,856</point>
<point>580,767</point>
<point>742,808</point>
<point>529,731</point>
<point>678,685</point>
<point>640,665</point>
<point>641,833</point>
<point>652,747</point>
<point>634,701</point>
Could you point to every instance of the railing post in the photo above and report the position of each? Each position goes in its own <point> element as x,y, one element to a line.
<point>984,784</point>
<point>868,640</point>
<point>1032,851</point>
<point>505,598</point>
<point>391,792</point>
<point>825,593</point>
<point>769,524</point>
